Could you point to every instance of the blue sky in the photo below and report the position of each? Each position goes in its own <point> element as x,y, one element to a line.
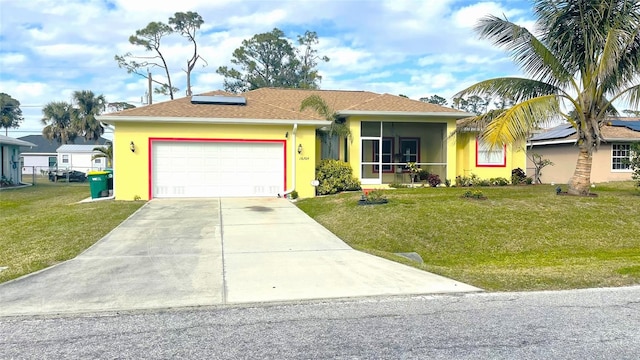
<point>48,49</point>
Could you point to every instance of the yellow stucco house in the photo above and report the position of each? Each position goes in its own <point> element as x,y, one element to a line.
<point>259,143</point>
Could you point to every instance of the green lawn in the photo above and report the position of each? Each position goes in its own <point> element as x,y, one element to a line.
<point>43,224</point>
<point>520,238</point>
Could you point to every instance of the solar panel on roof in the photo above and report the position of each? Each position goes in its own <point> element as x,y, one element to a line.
<point>633,125</point>
<point>218,100</point>
<point>558,132</point>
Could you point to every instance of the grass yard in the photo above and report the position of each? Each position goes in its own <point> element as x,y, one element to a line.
<point>43,225</point>
<point>520,238</point>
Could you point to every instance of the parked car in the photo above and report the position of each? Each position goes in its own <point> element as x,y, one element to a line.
<point>73,175</point>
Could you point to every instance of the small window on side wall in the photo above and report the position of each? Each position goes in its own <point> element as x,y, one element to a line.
<point>486,155</point>
<point>65,159</point>
<point>621,157</point>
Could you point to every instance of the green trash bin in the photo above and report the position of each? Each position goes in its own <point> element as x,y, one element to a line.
<point>109,172</point>
<point>98,183</point>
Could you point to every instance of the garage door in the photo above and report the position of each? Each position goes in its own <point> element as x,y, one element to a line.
<point>217,169</point>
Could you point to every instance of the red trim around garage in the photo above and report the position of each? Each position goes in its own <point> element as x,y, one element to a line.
<point>152,140</point>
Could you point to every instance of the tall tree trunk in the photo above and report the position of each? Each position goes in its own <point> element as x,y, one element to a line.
<point>581,180</point>
<point>189,78</point>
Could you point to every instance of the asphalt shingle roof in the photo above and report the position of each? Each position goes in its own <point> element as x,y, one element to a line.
<point>284,104</point>
<point>45,146</point>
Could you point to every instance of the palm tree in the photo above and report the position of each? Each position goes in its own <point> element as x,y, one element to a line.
<point>88,107</point>
<point>337,128</point>
<point>58,117</point>
<point>587,56</point>
<point>104,152</point>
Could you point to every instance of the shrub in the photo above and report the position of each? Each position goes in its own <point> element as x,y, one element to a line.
<point>635,162</point>
<point>483,182</point>
<point>294,195</point>
<point>335,176</point>
<point>475,194</point>
<point>5,182</point>
<point>499,181</point>
<point>376,195</point>
<point>518,176</point>
<point>467,180</point>
<point>434,180</point>
<point>397,186</point>
<point>423,174</point>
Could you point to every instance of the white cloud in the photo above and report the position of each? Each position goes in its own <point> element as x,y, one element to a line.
<point>434,81</point>
<point>270,18</point>
<point>12,59</point>
<point>70,50</point>
<point>468,16</point>
<point>49,49</point>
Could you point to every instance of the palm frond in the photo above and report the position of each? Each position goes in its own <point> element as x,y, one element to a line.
<point>317,103</point>
<point>104,152</point>
<point>518,122</point>
<point>477,123</point>
<point>622,70</point>
<point>525,49</point>
<point>518,89</point>
<point>630,95</point>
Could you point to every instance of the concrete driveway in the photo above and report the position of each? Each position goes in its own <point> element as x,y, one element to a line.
<point>197,252</point>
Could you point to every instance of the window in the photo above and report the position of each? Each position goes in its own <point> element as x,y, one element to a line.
<point>53,161</point>
<point>65,159</point>
<point>97,161</point>
<point>387,154</point>
<point>410,149</point>
<point>620,157</point>
<point>490,156</point>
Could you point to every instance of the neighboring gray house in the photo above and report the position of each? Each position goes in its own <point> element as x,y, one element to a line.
<point>44,156</point>
<point>610,160</point>
<point>10,158</point>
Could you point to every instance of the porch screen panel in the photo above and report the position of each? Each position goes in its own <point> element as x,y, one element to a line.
<point>370,165</point>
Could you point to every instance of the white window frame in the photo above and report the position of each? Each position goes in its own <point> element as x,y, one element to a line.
<point>490,157</point>
<point>65,158</point>
<point>387,157</point>
<point>615,156</point>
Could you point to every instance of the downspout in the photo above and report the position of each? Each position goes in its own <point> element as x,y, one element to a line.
<point>293,162</point>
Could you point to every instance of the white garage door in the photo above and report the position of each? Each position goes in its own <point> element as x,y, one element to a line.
<point>217,169</point>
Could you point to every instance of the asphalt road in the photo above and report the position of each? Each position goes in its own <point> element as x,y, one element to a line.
<point>583,324</point>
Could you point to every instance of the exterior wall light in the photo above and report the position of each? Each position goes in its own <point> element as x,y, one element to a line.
<point>300,149</point>
<point>132,147</point>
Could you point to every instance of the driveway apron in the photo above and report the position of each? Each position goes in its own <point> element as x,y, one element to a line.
<point>199,252</point>
<point>167,254</point>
